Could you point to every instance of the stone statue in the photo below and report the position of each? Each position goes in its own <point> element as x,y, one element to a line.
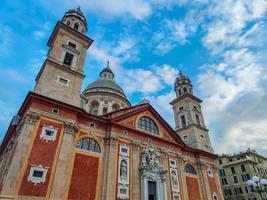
<point>174,179</point>
<point>123,170</point>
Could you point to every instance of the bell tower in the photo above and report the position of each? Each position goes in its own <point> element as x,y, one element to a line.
<point>61,75</point>
<point>189,121</point>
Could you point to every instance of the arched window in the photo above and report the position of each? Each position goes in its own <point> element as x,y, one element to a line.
<point>94,107</point>
<point>148,125</point>
<point>190,169</point>
<point>76,26</point>
<point>88,144</point>
<point>180,92</point>
<point>68,22</point>
<point>115,107</point>
<point>185,90</point>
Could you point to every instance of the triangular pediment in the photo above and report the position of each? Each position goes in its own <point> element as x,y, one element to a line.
<point>129,117</point>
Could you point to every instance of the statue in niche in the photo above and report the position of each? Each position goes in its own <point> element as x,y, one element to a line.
<point>123,170</point>
<point>174,179</point>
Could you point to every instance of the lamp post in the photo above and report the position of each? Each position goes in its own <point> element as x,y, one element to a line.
<point>259,184</point>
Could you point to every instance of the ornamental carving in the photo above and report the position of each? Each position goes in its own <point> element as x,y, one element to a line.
<point>110,139</point>
<point>71,128</point>
<point>31,117</point>
<point>150,165</point>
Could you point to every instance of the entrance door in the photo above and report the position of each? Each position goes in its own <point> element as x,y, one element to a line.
<point>152,190</point>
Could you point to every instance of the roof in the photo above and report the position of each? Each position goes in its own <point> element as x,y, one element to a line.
<point>107,85</point>
<point>107,69</point>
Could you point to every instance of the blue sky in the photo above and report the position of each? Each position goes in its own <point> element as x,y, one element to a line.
<point>220,45</point>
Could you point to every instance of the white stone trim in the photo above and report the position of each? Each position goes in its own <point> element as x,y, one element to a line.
<point>174,180</point>
<point>215,196</point>
<point>60,77</point>
<point>172,163</point>
<point>34,179</point>
<point>123,172</point>
<point>123,192</point>
<point>46,137</point>
<point>210,172</point>
<point>124,148</point>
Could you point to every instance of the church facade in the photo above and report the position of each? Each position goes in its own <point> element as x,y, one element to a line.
<point>68,144</point>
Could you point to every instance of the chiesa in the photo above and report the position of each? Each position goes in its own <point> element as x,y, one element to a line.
<point>65,143</point>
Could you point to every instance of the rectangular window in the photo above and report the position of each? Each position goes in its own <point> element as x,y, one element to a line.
<point>152,190</point>
<point>233,170</point>
<point>63,81</point>
<point>49,132</point>
<point>243,169</point>
<point>222,172</point>
<point>68,59</point>
<point>235,179</point>
<point>224,181</point>
<point>185,137</point>
<point>181,108</point>
<point>183,122</point>
<point>37,173</point>
<point>220,162</point>
<point>245,177</point>
<point>198,120</point>
<point>72,45</point>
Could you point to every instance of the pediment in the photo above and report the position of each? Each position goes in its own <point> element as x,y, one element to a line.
<point>129,118</point>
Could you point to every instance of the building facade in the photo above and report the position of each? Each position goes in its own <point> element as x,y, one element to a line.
<point>68,144</point>
<point>235,170</point>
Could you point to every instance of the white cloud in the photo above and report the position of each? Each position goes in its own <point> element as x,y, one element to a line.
<point>229,20</point>
<point>133,79</point>
<point>140,80</point>
<point>42,32</point>
<point>234,86</point>
<point>161,104</point>
<point>167,73</point>
<point>136,9</point>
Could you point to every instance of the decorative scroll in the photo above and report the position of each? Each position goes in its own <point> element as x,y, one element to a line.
<point>174,179</point>
<point>123,172</point>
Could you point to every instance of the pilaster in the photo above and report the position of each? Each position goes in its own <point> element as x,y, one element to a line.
<point>109,168</point>
<point>183,185</point>
<point>62,168</point>
<point>135,171</point>
<point>201,166</point>
<point>21,143</point>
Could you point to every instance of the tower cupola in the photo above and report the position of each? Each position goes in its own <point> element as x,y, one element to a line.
<point>183,85</point>
<point>75,19</point>
<point>106,73</point>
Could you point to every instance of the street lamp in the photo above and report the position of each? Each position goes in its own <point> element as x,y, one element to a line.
<point>259,184</point>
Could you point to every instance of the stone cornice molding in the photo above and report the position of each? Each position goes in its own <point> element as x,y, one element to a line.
<point>71,128</point>
<point>31,117</point>
<point>110,139</point>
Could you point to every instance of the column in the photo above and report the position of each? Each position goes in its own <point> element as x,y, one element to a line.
<point>180,170</point>
<point>63,168</point>
<point>201,166</point>
<point>135,171</point>
<point>109,168</point>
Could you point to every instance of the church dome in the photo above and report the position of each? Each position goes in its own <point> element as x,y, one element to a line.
<point>105,85</point>
<point>105,93</point>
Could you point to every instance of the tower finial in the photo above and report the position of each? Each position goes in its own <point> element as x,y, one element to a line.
<point>108,63</point>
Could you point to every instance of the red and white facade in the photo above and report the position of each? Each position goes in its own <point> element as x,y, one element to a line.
<point>58,150</point>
